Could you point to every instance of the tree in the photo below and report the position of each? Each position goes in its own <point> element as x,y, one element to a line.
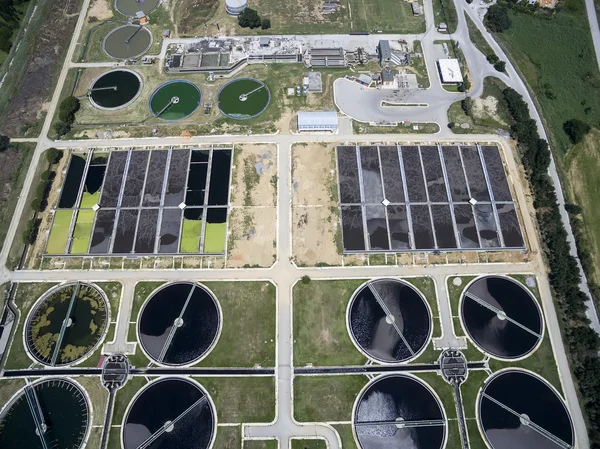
<point>265,24</point>
<point>31,231</point>
<point>249,18</point>
<point>53,155</point>
<point>4,143</point>
<point>496,19</point>
<point>61,128</point>
<point>467,106</point>
<point>492,58</point>
<point>576,130</point>
<point>306,279</point>
<point>67,109</point>
<point>573,209</point>
<point>500,66</point>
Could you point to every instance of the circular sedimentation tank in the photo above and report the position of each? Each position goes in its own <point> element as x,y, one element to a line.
<point>170,413</point>
<point>175,100</point>
<point>62,412</point>
<point>389,320</point>
<point>127,41</point>
<point>115,89</point>
<point>235,7</point>
<point>243,98</point>
<point>501,317</point>
<point>67,324</point>
<point>179,324</point>
<point>398,411</point>
<point>518,409</point>
<point>131,7</point>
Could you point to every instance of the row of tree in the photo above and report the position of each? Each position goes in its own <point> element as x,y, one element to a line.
<point>66,115</point>
<point>10,22</point>
<point>40,201</point>
<point>582,342</point>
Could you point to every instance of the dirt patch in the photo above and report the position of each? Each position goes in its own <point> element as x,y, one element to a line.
<point>45,58</point>
<point>313,235</point>
<point>315,227</point>
<point>252,236</point>
<point>313,177</point>
<point>486,107</point>
<point>255,176</point>
<point>100,11</point>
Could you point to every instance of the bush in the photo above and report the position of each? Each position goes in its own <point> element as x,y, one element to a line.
<point>496,19</point>
<point>492,58</point>
<point>53,155</point>
<point>306,279</point>
<point>249,18</point>
<point>576,130</point>
<point>61,128</point>
<point>4,143</point>
<point>500,66</point>
<point>265,24</point>
<point>467,106</point>
<point>31,231</point>
<point>573,209</point>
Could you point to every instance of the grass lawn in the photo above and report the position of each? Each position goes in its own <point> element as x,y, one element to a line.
<point>248,333</point>
<point>8,387</point>
<point>326,398</point>
<point>422,128</point>
<point>114,438</point>
<point>484,119</point>
<point>320,333</point>
<point>214,237</point>
<point>190,236</point>
<point>124,396</point>
<point>241,399</point>
<point>313,443</point>
<point>419,66</point>
<point>228,437</point>
<point>445,12</point>
<point>59,234</point>
<point>261,444</point>
<point>25,297</point>
<point>346,435</point>
<point>98,397</point>
<point>82,234</point>
<point>477,38</point>
<point>563,72</point>
<point>583,169</point>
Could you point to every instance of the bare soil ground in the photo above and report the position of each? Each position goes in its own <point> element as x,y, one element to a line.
<point>255,176</point>
<point>252,237</point>
<point>100,11</point>
<point>45,58</point>
<point>314,205</point>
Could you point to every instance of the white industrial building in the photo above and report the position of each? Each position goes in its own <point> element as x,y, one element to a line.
<point>235,7</point>
<point>317,121</point>
<point>450,72</point>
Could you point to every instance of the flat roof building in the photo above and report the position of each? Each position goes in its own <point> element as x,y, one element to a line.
<point>317,121</point>
<point>450,72</point>
<point>385,53</point>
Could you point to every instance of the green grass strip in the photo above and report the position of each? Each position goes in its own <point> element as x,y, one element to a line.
<point>59,234</point>
<point>214,237</point>
<point>82,233</point>
<point>190,236</point>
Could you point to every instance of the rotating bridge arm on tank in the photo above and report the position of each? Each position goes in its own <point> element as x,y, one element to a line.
<point>244,97</point>
<point>133,35</point>
<point>527,422</point>
<point>404,424</point>
<point>169,425</point>
<point>500,313</point>
<point>64,326</point>
<point>37,414</point>
<point>176,325</point>
<point>391,317</point>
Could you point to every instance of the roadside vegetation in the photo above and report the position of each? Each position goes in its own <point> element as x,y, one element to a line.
<point>445,12</point>
<point>582,342</point>
<point>11,15</point>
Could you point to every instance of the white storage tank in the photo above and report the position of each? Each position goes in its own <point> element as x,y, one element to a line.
<point>235,7</point>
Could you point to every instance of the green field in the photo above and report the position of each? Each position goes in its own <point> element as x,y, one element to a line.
<point>59,234</point>
<point>445,12</point>
<point>82,234</point>
<point>477,38</point>
<point>313,443</point>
